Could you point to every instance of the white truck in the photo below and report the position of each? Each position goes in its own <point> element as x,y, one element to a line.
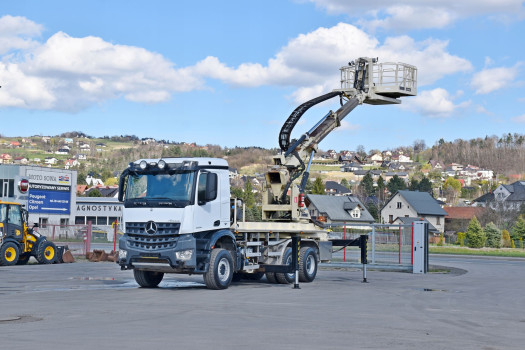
<point>179,218</point>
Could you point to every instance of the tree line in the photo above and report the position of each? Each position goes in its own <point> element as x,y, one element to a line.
<point>503,155</point>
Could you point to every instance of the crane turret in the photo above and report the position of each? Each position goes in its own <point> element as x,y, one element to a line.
<point>362,81</point>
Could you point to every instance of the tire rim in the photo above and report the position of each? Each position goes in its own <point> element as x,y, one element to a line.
<point>310,264</point>
<point>10,254</point>
<point>223,270</point>
<point>49,252</point>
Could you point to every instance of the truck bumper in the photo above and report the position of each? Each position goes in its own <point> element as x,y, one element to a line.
<point>143,256</point>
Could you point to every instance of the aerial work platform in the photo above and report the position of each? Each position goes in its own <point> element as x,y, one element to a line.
<point>380,83</point>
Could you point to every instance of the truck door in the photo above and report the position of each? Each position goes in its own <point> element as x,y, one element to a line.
<point>14,222</point>
<point>207,213</point>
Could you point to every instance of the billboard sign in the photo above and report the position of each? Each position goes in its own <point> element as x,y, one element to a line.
<point>49,192</point>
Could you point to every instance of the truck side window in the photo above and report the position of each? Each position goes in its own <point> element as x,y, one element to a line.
<point>201,187</point>
<point>14,215</point>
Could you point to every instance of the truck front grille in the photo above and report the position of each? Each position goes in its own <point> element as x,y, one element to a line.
<point>165,237</point>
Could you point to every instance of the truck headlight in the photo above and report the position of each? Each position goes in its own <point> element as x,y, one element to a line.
<point>184,254</point>
<point>122,254</point>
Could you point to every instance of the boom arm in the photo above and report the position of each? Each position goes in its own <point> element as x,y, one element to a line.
<point>362,81</point>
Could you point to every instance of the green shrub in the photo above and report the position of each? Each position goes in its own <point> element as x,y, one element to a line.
<point>493,236</point>
<point>512,245</point>
<point>475,236</point>
<point>461,238</point>
<point>505,235</point>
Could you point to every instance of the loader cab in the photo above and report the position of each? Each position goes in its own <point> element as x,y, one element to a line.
<point>11,220</point>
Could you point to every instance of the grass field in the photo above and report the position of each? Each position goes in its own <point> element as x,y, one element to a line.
<point>507,252</point>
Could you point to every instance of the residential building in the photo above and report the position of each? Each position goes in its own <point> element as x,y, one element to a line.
<point>335,189</point>
<point>337,209</point>
<point>510,197</point>
<point>414,204</point>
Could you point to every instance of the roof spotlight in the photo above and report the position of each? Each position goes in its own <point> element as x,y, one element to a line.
<point>143,164</point>
<point>161,164</point>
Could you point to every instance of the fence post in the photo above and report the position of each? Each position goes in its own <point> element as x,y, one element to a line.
<point>344,237</point>
<point>363,240</point>
<point>400,244</point>
<point>373,244</point>
<point>115,237</point>
<point>88,237</point>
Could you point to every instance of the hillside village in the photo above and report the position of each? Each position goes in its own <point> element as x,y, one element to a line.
<point>368,180</point>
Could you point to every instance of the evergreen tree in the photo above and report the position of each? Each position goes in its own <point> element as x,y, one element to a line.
<point>518,230</point>
<point>425,185</point>
<point>396,184</point>
<point>475,235</point>
<point>381,189</point>
<point>344,182</point>
<point>249,198</point>
<point>318,187</point>
<point>493,236</point>
<point>414,184</point>
<point>367,185</point>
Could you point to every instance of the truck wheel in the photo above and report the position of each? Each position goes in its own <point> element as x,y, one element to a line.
<point>46,252</point>
<point>286,278</point>
<point>23,259</point>
<point>9,254</point>
<point>270,277</point>
<point>220,272</point>
<point>308,264</point>
<point>148,279</point>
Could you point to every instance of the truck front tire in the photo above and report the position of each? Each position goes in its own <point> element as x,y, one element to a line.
<point>220,272</point>
<point>148,279</point>
<point>9,254</point>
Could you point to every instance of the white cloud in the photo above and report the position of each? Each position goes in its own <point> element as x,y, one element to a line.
<point>436,103</point>
<point>408,14</point>
<point>16,33</point>
<point>492,79</point>
<point>69,74</point>
<point>519,119</point>
<point>312,60</point>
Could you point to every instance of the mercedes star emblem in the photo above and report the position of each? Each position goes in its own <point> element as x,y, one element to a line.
<point>150,227</point>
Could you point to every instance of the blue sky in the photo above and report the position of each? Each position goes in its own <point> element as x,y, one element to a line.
<point>230,72</point>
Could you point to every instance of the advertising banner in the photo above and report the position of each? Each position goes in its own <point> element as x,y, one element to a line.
<point>49,193</point>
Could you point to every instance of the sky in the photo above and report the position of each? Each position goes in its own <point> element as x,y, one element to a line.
<point>229,73</point>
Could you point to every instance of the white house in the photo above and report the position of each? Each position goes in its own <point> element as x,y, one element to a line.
<point>414,204</point>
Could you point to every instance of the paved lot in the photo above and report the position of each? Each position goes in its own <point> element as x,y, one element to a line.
<point>95,305</point>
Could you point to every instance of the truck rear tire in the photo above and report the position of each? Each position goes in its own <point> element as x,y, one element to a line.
<point>286,278</point>
<point>220,272</point>
<point>148,279</point>
<point>270,277</point>
<point>308,264</point>
<point>46,252</point>
<point>9,254</point>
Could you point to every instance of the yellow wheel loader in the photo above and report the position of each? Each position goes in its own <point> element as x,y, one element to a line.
<point>18,242</point>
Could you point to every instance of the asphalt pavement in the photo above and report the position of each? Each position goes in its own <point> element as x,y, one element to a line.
<point>478,304</point>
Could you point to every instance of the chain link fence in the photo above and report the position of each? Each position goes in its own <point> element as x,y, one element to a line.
<point>82,239</point>
<point>387,244</point>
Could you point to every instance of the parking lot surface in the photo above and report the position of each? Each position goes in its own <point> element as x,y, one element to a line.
<point>479,304</point>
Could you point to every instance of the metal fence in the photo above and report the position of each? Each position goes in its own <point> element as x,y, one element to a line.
<point>387,244</point>
<point>81,239</point>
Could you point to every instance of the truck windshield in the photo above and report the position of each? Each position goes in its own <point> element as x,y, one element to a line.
<point>175,188</point>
